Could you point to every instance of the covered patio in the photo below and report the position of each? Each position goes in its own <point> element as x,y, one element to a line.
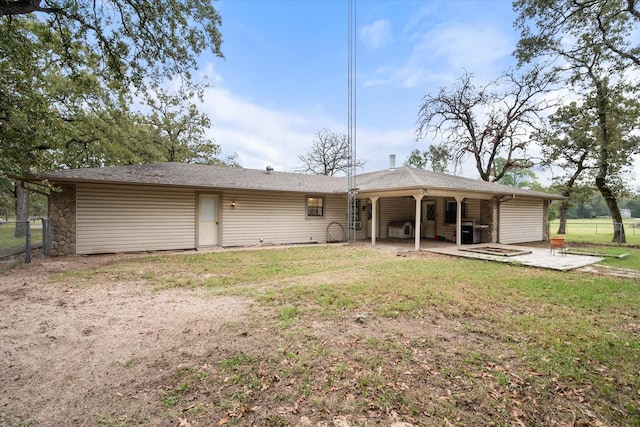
<point>446,208</point>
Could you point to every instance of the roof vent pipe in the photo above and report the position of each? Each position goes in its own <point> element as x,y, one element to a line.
<point>392,162</point>
<point>269,169</point>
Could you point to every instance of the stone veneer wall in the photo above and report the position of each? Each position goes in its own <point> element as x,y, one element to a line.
<point>488,209</point>
<point>62,212</point>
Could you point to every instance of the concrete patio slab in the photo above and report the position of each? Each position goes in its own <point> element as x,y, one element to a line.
<point>536,257</point>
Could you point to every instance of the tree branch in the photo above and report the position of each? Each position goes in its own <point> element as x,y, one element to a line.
<point>23,7</point>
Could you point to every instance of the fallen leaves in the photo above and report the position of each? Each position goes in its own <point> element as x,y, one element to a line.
<point>235,414</point>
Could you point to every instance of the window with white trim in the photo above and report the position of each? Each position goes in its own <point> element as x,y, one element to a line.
<point>315,206</point>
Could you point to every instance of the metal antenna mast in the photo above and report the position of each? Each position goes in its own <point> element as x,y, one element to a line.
<point>351,123</point>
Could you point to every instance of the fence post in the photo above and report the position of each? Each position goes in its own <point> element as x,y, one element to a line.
<point>28,248</point>
<point>46,237</point>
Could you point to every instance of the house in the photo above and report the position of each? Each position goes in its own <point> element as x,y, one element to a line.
<point>169,206</point>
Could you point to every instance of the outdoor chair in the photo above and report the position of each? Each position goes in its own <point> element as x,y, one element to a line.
<point>558,244</point>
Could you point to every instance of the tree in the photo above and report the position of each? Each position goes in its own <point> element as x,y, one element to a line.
<point>329,155</point>
<point>53,116</point>
<point>598,65</point>
<point>437,157</point>
<point>42,101</point>
<point>516,177</point>
<point>609,24</point>
<point>633,205</point>
<point>136,40</point>
<point>180,127</point>
<point>570,143</point>
<point>487,123</point>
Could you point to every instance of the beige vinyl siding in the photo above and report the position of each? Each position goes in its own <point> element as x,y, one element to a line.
<point>473,209</point>
<point>442,229</point>
<point>278,218</point>
<point>521,220</point>
<point>394,209</point>
<point>134,218</point>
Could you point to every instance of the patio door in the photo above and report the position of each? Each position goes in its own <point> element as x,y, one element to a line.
<point>428,219</point>
<point>207,220</point>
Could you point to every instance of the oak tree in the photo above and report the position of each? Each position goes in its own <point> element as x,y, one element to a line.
<point>136,41</point>
<point>591,43</point>
<point>487,122</point>
<point>329,155</point>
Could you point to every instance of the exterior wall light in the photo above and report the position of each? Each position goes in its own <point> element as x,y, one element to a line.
<point>233,204</point>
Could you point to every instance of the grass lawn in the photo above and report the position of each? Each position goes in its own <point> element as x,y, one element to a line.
<point>597,231</point>
<point>7,239</point>
<point>364,334</point>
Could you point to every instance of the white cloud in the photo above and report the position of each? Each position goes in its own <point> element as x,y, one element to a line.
<point>474,47</point>
<point>376,35</point>
<point>439,54</point>
<point>261,136</point>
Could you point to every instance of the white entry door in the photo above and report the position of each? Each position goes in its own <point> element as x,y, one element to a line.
<point>207,220</point>
<point>429,220</point>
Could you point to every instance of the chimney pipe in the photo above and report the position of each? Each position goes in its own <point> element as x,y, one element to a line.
<point>392,162</point>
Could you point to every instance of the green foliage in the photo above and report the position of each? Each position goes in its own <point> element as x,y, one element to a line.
<point>437,157</point>
<point>520,177</point>
<point>633,205</point>
<point>610,25</point>
<point>66,79</point>
<point>597,69</point>
<point>134,41</point>
<point>178,127</point>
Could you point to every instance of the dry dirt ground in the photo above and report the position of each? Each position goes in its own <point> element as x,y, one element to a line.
<point>104,354</point>
<point>70,354</point>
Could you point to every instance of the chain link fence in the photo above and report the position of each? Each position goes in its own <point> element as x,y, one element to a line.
<point>22,241</point>
<point>601,232</point>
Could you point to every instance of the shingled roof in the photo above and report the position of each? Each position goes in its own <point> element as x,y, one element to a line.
<point>203,176</point>
<point>407,177</point>
<point>222,177</point>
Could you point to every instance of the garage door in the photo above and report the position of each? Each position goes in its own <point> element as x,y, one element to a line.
<point>131,218</point>
<point>521,220</point>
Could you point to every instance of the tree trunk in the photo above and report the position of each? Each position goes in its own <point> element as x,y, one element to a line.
<point>618,228</point>
<point>602,176</point>
<point>564,207</point>
<point>22,210</point>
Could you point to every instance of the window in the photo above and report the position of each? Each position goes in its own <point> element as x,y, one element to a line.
<point>431,212</point>
<point>355,216</point>
<point>452,211</point>
<point>315,206</point>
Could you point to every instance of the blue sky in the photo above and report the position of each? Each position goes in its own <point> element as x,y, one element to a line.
<point>285,73</point>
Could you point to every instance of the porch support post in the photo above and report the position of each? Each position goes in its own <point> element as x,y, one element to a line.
<point>374,219</point>
<point>418,228</point>
<point>459,220</point>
